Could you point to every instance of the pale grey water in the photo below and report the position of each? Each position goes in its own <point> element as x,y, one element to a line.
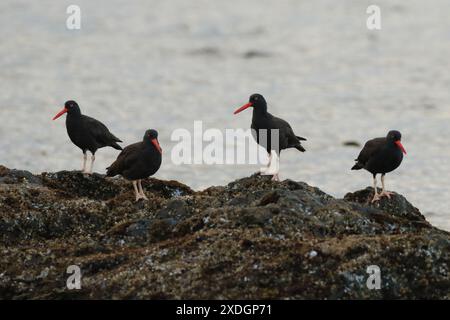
<point>163,64</point>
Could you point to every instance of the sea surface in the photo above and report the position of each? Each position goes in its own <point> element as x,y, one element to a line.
<point>141,64</point>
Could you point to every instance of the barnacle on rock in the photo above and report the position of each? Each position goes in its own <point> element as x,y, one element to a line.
<point>250,239</point>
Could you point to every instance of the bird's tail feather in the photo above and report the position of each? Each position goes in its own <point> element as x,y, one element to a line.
<point>116,146</point>
<point>301,138</point>
<point>357,166</point>
<point>110,172</point>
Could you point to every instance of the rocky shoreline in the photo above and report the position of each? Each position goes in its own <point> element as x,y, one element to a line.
<point>250,239</point>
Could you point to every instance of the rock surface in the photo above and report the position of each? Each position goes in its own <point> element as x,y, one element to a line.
<point>251,239</point>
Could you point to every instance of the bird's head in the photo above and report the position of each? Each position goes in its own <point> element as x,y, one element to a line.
<point>70,107</point>
<point>256,101</point>
<point>152,136</point>
<point>396,137</point>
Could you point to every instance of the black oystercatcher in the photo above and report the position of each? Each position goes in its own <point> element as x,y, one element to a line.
<point>87,133</point>
<point>138,161</point>
<point>381,155</point>
<point>262,124</point>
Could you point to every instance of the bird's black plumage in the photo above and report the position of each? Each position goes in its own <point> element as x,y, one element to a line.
<point>263,123</point>
<point>139,160</point>
<point>85,132</point>
<point>381,155</point>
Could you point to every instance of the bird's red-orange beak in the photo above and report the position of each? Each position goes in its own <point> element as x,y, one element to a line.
<point>245,106</point>
<point>399,144</point>
<point>60,114</point>
<point>156,144</point>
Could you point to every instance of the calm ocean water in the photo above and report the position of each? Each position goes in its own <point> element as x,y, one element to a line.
<point>164,64</point>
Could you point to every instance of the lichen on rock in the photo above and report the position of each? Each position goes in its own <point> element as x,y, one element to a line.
<point>250,239</point>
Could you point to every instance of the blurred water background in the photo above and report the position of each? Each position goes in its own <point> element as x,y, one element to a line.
<point>164,64</point>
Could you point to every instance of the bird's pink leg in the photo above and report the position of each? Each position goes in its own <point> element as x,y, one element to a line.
<point>136,191</point>
<point>141,190</point>
<point>385,193</point>
<point>264,170</point>
<point>276,177</point>
<point>376,196</point>
<point>274,167</point>
<point>92,164</point>
<point>84,163</point>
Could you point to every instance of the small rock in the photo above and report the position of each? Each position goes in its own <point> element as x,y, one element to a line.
<point>251,54</point>
<point>312,254</point>
<point>351,144</point>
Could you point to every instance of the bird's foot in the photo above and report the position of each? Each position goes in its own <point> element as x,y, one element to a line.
<point>276,177</point>
<point>263,171</point>
<point>141,197</point>
<point>270,172</point>
<point>386,194</point>
<point>376,198</point>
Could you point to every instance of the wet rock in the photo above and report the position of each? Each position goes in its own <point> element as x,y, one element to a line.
<point>166,189</point>
<point>139,229</point>
<point>77,184</point>
<point>397,206</point>
<point>271,197</point>
<point>251,239</point>
<point>176,209</point>
<point>254,217</point>
<point>150,229</point>
<point>10,176</point>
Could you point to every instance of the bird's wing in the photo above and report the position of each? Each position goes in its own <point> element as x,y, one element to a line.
<point>126,158</point>
<point>285,128</point>
<point>280,123</point>
<point>370,148</point>
<point>130,151</point>
<point>99,130</point>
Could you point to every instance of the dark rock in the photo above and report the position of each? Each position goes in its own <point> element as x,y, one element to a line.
<point>166,189</point>
<point>139,229</point>
<point>251,54</point>
<point>397,206</point>
<point>76,184</point>
<point>351,144</point>
<point>251,239</point>
<point>206,51</point>
<point>176,209</point>
<point>10,176</point>
<point>254,217</point>
<point>271,197</point>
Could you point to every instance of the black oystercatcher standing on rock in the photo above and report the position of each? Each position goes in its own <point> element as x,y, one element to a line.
<point>86,133</point>
<point>138,161</point>
<point>381,155</point>
<point>262,124</point>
